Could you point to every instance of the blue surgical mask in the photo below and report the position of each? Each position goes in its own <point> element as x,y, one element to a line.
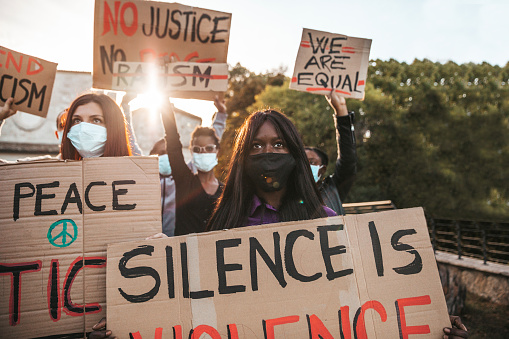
<point>60,134</point>
<point>88,139</point>
<point>315,169</point>
<point>164,165</point>
<point>205,162</point>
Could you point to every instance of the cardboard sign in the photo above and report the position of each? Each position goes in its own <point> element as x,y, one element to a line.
<point>146,31</point>
<point>55,221</point>
<point>329,61</point>
<point>177,76</point>
<point>371,275</point>
<point>29,80</point>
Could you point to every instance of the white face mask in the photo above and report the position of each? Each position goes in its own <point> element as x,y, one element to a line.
<point>205,161</point>
<point>88,139</point>
<point>164,165</point>
<point>315,169</point>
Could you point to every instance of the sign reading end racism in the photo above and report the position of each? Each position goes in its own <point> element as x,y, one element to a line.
<point>327,61</point>
<point>362,276</point>
<point>148,31</point>
<point>29,80</point>
<point>56,218</point>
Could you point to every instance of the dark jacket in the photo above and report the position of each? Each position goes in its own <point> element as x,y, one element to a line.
<point>335,187</point>
<point>193,205</point>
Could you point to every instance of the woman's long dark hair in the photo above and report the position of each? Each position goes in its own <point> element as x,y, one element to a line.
<point>302,201</point>
<point>117,142</point>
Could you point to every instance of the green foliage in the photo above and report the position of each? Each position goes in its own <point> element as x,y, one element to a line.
<point>428,134</point>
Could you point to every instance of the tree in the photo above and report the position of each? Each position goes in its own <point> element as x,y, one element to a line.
<point>428,134</point>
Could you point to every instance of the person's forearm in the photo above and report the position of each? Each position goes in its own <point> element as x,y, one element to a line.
<point>346,164</point>
<point>174,146</point>
<point>219,124</point>
<point>345,137</point>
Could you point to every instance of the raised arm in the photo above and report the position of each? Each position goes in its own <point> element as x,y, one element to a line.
<point>179,169</point>
<point>219,123</point>
<point>135,148</point>
<point>346,164</point>
<point>7,111</point>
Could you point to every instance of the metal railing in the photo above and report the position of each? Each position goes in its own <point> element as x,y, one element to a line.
<point>485,240</point>
<point>488,241</point>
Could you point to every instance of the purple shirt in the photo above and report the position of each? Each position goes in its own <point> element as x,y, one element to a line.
<point>269,215</point>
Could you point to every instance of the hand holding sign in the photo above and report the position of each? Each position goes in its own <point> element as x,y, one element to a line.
<point>458,330</point>
<point>7,111</point>
<point>338,103</point>
<point>220,104</point>
<point>99,331</point>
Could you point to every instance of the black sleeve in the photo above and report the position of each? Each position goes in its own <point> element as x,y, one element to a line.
<point>180,172</point>
<point>346,165</point>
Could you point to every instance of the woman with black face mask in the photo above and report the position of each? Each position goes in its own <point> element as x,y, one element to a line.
<point>269,179</point>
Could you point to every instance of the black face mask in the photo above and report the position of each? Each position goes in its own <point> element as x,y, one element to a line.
<point>270,171</point>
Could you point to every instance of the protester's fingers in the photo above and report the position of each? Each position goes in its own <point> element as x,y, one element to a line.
<point>456,322</point>
<point>100,325</point>
<point>157,236</point>
<point>9,102</point>
<point>6,110</point>
<point>337,102</point>
<point>220,104</point>
<point>455,333</point>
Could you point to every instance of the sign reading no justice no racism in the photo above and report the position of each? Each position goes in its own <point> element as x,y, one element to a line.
<point>131,33</point>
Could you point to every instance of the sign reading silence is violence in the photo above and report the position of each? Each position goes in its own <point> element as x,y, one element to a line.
<point>327,61</point>
<point>178,49</point>
<point>29,80</point>
<point>360,276</point>
<point>56,219</point>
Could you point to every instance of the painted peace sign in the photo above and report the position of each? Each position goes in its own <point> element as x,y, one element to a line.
<point>63,238</point>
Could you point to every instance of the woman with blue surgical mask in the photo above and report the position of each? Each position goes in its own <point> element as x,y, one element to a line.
<point>195,194</point>
<point>95,127</point>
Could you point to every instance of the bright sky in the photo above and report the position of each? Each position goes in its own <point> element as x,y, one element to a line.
<point>266,34</point>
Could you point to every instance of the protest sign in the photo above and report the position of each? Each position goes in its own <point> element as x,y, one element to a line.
<point>327,61</point>
<point>56,218</point>
<point>148,31</point>
<point>177,76</point>
<point>363,276</point>
<point>29,80</point>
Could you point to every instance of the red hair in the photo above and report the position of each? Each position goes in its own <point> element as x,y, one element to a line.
<point>117,142</point>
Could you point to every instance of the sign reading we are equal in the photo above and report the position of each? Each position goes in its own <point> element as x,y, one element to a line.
<point>328,61</point>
